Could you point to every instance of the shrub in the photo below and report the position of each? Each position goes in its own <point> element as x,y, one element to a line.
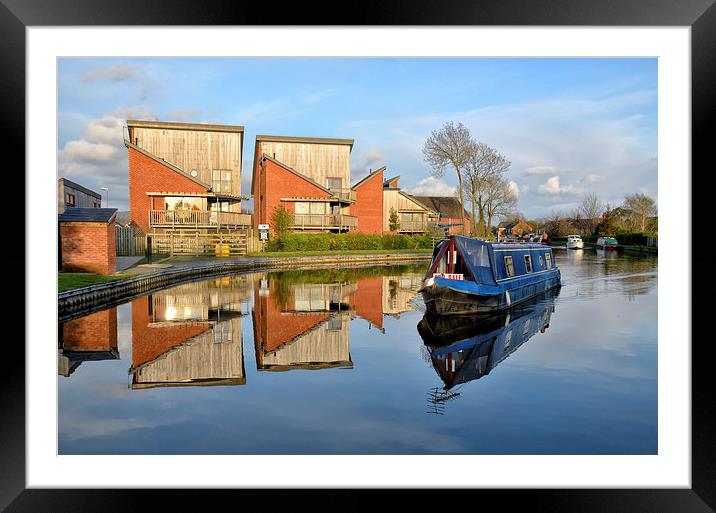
<point>632,238</point>
<point>347,241</point>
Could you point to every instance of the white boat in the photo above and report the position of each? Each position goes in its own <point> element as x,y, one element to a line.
<point>574,242</point>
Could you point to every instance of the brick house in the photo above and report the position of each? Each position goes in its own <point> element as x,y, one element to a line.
<point>368,206</point>
<point>515,227</point>
<point>89,338</point>
<point>308,176</point>
<point>87,240</point>
<point>448,209</point>
<point>185,176</point>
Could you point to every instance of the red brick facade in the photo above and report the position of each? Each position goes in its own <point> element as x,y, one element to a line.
<point>149,175</point>
<point>368,206</point>
<point>94,332</point>
<point>275,182</point>
<point>88,247</point>
<point>367,300</point>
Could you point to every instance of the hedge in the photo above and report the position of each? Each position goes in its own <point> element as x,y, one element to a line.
<point>347,241</point>
<point>632,238</point>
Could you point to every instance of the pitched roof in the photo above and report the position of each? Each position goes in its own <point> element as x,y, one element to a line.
<point>386,183</point>
<point>205,127</point>
<point>87,215</point>
<point>171,166</point>
<point>297,173</point>
<point>417,201</point>
<point>308,140</point>
<point>81,188</point>
<point>367,177</point>
<point>446,206</point>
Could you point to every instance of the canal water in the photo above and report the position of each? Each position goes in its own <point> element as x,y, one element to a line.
<point>345,361</point>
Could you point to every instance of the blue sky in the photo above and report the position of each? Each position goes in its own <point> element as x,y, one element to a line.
<point>569,126</point>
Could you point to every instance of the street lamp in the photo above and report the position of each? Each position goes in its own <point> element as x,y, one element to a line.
<point>106,189</point>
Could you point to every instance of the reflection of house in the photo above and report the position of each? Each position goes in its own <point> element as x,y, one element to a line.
<point>89,338</point>
<point>190,335</point>
<point>413,215</point>
<point>185,176</point>
<point>384,295</point>
<point>399,292</point>
<point>71,194</point>
<point>448,209</point>
<point>308,176</point>
<point>302,325</point>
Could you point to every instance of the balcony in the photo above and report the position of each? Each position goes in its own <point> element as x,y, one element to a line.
<point>339,222</point>
<point>346,195</point>
<point>197,219</point>
<point>415,226</point>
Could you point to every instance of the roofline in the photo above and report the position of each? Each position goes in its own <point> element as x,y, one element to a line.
<point>297,173</point>
<point>165,163</point>
<point>170,125</point>
<point>412,198</point>
<point>385,182</point>
<point>308,140</point>
<point>368,176</point>
<point>79,187</point>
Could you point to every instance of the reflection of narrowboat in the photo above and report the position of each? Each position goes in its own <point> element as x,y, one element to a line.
<point>470,276</point>
<point>464,348</point>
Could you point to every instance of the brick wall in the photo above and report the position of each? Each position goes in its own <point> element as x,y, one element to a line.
<point>275,182</point>
<point>367,300</point>
<point>148,175</point>
<point>94,332</point>
<point>368,206</point>
<point>88,247</point>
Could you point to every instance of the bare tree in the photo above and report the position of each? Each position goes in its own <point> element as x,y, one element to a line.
<point>591,210</point>
<point>501,199</point>
<point>641,208</point>
<point>452,145</point>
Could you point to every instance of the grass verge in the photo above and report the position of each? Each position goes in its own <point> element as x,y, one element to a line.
<point>70,281</point>
<point>291,254</point>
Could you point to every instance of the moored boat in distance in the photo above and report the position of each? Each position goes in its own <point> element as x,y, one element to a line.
<point>471,276</point>
<point>574,242</point>
<point>607,243</point>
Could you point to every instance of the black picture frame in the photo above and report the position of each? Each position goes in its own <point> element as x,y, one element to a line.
<point>700,15</point>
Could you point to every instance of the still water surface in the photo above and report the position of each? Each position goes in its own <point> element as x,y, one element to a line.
<point>346,362</point>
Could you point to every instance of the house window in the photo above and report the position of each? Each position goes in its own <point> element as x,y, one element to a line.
<point>219,206</point>
<point>548,258</point>
<point>221,180</point>
<point>318,208</point>
<point>301,207</point>
<point>70,200</point>
<point>182,203</point>
<point>528,263</point>
<point>509,266</point>
<point>333,182</point>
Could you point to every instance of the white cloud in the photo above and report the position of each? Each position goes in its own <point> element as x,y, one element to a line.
<point>541,170</point>
<point>85,151</point>
<point>107,130</point>
<point>591,178</point>
<point>553,186</point>
<point>116,73</point>
<point>514,188</point>
<point>432,186</point>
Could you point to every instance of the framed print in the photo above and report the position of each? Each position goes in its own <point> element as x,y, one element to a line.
<point>272,378</point>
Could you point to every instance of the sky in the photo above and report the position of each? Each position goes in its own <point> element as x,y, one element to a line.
<point>568,126</point>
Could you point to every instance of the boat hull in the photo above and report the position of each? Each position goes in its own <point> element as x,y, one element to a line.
<point>446,301</point>
<point>575,245</point>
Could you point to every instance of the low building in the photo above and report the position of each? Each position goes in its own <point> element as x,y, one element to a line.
<point>87,240</point>
<point>89,338</point>
<point>515,227</point>
<point>74,195</point>
<point>309,177</point>
<point>448,209</point>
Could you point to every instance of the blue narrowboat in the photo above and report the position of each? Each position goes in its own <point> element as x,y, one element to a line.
<point>471,276</point>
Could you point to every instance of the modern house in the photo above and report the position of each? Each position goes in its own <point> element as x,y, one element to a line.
<point>185,178</point>
<point>309,177</point>
<point>74,195</point>
<point>413,215</point>
<point>448,209</point>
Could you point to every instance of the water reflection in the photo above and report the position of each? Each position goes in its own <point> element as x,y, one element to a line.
<point>89,338</point>
<point>190,335</point>
<point>466,348</point>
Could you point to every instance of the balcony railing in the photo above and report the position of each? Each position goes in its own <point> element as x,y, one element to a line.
<point>324,222</point>
<point>415,226</point>
<point>343,194</point>
<point>197,219</point>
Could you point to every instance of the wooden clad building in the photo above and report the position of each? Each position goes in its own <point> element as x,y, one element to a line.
<point>74,195</point>
<point>413,215</point>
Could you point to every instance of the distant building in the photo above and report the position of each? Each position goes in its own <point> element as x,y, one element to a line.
<point>515,227</point>
<point>448,209</point>
<point>71,194</point>
<point>414,216</point>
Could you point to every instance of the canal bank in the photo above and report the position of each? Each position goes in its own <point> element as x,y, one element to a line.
<point>151,277</point>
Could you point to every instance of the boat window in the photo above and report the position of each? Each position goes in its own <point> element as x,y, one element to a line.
<point>509,267</point>
<point>541,262</point>
<point>528,263</point>
<point>548,257</point>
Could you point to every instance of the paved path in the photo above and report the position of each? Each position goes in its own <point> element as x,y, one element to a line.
<point>124,262</point>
